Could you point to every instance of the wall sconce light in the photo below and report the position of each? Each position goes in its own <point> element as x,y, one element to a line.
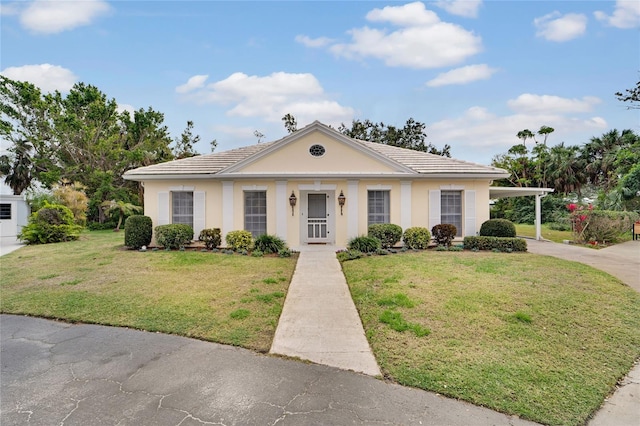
<point>341,200</point>
<point>292,201</point>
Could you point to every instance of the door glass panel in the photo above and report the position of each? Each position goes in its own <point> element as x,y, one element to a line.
<point>317,206</point>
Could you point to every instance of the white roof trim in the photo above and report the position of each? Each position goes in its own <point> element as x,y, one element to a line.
<point>505,192</point>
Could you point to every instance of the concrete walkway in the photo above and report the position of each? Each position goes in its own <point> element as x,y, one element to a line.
<point>623,262</point>
<point>9,244</point>
<point>319,321</point>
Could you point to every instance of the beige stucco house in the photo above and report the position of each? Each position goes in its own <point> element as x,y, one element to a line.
<point>317,186</point>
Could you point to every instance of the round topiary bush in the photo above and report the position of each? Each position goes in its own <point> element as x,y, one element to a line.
<point>388,233</point>
<point>53,223</point>
<point>174,236</point>
<point>210,237</point>
<point>239,240</point>
<point>444,233</point>
<point>498,228</point>
<point>138,230</point>
<point>364,244</point>
<point>416,238</point>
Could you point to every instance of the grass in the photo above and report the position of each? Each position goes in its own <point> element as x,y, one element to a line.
<point>527,335</point>
<point>227,299</point>
<point>525,230</point>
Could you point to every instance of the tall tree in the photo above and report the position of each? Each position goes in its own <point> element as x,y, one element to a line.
<point>25,124</point>
<point>631,95</point>
<point>184,144</point>
<point>411,136</point>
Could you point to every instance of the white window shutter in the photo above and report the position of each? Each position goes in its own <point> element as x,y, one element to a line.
<point>469,213</point>
<point>198,213</point>
<point>163,208</point>
<point>434,208</point>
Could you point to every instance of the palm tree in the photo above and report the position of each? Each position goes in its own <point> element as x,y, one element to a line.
<point>123,209</point>
<point>18,173</point>
<point>566,169</point>
<point>601,154</point>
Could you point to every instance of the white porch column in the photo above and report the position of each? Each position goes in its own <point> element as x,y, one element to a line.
<point>282,208</point>
<point>405,204</point>
<point>539,216</point>
<point>227,208</point>
<point>352,209</point>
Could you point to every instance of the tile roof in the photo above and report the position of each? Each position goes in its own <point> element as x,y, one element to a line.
<point>421,163</point>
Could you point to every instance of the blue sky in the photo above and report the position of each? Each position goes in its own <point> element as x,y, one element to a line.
<point>475,72</point>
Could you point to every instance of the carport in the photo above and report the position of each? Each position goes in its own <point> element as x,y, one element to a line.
<point>496,192</point>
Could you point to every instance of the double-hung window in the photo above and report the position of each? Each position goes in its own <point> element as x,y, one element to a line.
<point>451,209</point>
<point>255,212</point>
<point>182,207</point>
<point>378,207</point>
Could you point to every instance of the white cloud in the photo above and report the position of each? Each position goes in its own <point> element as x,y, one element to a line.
<point>50,17</point>
<point>47,77</point>
<point>625,15</point>
<point>126,107</point>
<point>271,97</point>
<point>313,42</point>
<point>463,75</point>
<point>557,27</point>
<point>195,82</point>
<point>465,8</point>
<point>423,41</point>
<point>479,134</point>
<point>547,104</point>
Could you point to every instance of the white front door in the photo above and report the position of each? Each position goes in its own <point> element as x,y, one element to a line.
<point>317,218</point>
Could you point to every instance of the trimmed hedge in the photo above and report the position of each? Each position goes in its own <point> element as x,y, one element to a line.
<point>498,228</point>
<point>444,233</point>
<point>364,244</point>
<point>388,233</point>
<point>416,238</point>
<point>174,236</point>
<point>506,244</point>
<point>138,230</point>
<point>239,240</point>
<point>211,237</point>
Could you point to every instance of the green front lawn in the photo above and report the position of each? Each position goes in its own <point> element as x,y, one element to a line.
<point>525,230</point>
<point>533,336</point>
<point>222,298</point>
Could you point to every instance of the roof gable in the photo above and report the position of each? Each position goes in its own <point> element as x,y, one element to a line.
<point>292,155</point>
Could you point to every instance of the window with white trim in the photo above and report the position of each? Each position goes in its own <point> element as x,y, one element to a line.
<point>378,207</point>
<point>255,212</point>
<point>451,209</point>
<point>182,207</point>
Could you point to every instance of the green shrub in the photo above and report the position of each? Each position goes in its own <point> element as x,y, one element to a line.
<point>343,256</point>
<point>609,226</point>
<point>257,253</point>
<point>364,244</point>
<point>53,223</point>
<point>138,230</point>
<point>444,233</point>
<point>498,228</point>
<point>173,236</point>
<point>211,237</point>
<point>416,238</point>
<point>388,233</point>
<point>284,253</point>
<point>269,244</point>
<point>239,240</point>
<point>97,226</point>
<point>504,244</point>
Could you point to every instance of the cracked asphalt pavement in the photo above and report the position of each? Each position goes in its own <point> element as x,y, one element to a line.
<point>55,373</point>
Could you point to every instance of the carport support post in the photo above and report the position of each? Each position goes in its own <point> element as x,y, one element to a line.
<point>539,216</point>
